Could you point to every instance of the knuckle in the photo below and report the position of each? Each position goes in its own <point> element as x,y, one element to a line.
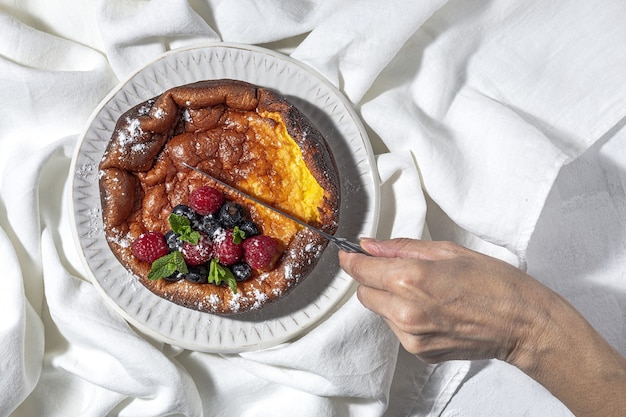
<point>424,347</point>
<point>406,279</point>
<point>448,248</point>
<point>416,345</point>
<point>408,319</point>
<point>353,267</point>
<point>362,295</point>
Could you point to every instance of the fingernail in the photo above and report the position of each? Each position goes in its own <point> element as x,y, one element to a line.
<point>367,240</point>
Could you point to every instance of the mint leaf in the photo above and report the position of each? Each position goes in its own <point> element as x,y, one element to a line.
<point>177,221</point>
<point>219,274</point>
<point>238,235</point>
<point>179,262</point>
<point>182,227</point>
<point>232,282</point>
<point>167,265</point>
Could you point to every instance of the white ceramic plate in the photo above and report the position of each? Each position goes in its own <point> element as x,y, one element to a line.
<point>311,301</point>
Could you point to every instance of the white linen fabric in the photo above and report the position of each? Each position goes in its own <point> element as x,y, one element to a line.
<point>478,103</point>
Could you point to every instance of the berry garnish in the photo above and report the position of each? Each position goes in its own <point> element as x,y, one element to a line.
<point>206,243</point>
<point>198,274</point>
<point>259,251</point>
<point>206,200</point>
<point>225,250</point>
<point>231,214</point>
<point>199,253</point>
<point>249,228</point>
<point>174,277</point>
<point>149,247</point>
<point>186,211</point>
<point>208,224</point>
<point>173,242</point>
<point>242,271</point>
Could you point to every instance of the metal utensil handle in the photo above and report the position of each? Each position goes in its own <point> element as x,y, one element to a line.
<point>341,242</point>
<point>349,246</point>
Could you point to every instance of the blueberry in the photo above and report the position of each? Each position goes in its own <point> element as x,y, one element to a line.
<point>176,276</point>
<point>183,210</point>
<point>249,228</point>
<point>197,274</point>
<point>242,271</point>
<point>173,242</point>
<point>231,214</point>
<point>208,224</point>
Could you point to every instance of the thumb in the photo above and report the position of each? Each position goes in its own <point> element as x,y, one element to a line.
<point>410,248</point>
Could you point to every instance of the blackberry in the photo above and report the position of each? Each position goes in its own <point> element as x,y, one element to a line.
<point>241,271</point>
<point>231,214</point>
<point>173,242</point>
<point>198,274</point>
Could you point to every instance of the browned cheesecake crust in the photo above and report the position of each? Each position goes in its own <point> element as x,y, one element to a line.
<point>223,127</point>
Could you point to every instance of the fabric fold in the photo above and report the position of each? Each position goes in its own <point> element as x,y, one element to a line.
<point>134,34</point>
<point>351,47</point>
<point>21,333</point>
<point>486,113</point>
<point>474,109</point>
<point>97,352</point>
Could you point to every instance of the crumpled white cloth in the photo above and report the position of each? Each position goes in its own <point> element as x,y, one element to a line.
<point>480,104</point>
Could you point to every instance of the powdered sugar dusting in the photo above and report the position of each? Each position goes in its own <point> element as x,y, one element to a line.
<point>213,300</point>
<point>235,302</point>
<point>95,227</point>
<point>219,236</point>
<point>130,134</point>
<point>120,239</point>
<point>289,272</point>
<point>85,171</point>
<point>260,299</point>
<point>159,113</point>
<point>145,109</point>
<point>186,116</point>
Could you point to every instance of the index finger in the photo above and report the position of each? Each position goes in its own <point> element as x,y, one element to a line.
<point>374,272</point>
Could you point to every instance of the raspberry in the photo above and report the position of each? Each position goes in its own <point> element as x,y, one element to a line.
<point>259,251</point>
<point>225,250</point>
<point>199,253</point>
<point>149,247</point>
<point>206,200</point>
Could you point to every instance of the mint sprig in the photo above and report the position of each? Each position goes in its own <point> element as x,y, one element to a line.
<point>238,235</point>
<point>182,227</point>
<point>167,265</point>
<point>219,274</point>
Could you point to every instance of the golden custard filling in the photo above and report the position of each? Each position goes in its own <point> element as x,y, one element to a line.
<point>287,184</point>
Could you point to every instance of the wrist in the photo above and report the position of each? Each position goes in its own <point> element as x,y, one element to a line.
<point>563,352</point>
<point>545,334</point>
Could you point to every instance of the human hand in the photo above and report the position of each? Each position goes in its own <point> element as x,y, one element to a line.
<point>447,302</point>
